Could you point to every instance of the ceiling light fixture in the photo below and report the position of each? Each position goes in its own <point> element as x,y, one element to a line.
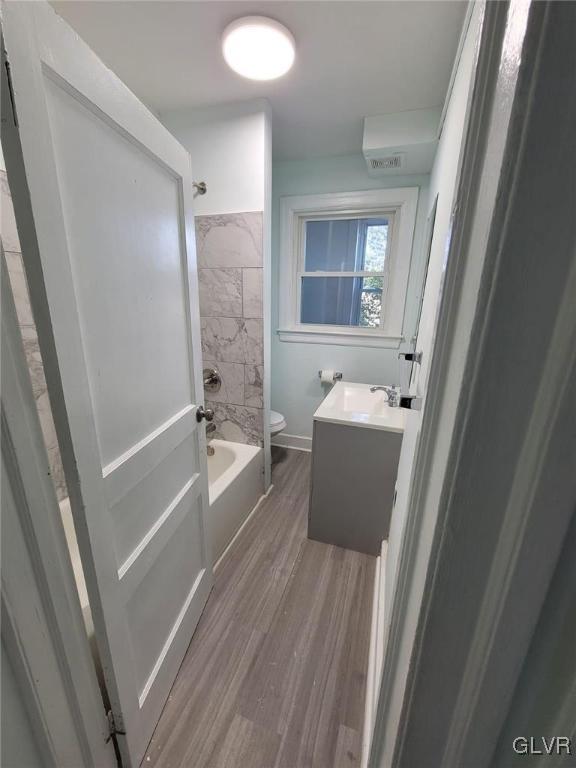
<point>258,48</point>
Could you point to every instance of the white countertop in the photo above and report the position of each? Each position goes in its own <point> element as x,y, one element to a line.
<point>354,404</point>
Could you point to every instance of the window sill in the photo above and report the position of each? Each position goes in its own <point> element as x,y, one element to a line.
<point>341,338</point>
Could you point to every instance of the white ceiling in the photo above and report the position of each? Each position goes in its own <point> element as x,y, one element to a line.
<point>353,59</point>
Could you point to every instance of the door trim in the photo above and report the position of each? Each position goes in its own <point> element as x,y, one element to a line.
<point>44,634</point>
<point>474,700</point>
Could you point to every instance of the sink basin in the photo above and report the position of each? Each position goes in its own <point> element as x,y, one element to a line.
<point>354,404</point>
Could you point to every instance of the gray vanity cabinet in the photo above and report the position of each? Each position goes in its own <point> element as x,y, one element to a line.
<point>354,472</point>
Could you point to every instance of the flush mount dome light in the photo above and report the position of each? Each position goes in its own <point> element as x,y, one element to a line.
<point>258,48</point>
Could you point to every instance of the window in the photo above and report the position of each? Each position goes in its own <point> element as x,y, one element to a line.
<point>345,263</point>
<point>343,271</point>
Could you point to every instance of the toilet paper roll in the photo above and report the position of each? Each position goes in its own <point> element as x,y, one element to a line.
<point>327,376</point>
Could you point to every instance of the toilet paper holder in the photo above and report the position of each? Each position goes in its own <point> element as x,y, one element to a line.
<point>337,375</point>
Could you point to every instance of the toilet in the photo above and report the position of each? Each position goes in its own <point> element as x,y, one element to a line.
<point>277,422</point>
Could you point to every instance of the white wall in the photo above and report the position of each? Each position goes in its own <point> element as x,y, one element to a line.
<point>296,390</point>
<point>227,147</point>
<point>231,150</point>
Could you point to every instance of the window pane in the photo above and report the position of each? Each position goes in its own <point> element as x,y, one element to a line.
<point>345,245</point>
<point>352,301</point>
<point>371,302</point>
<point>375,249</point>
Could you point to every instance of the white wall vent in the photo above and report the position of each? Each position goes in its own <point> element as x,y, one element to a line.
<point>386,163</point>
<point>403,142</point>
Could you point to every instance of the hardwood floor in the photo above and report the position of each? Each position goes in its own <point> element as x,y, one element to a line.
<point>275,674</point>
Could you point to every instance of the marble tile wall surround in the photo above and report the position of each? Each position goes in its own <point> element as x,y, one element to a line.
<point>229,240</point>
<point>252,293</point>
<point>237,423</point>
<point>230,276</point>
<point>220,292</point>
<point>232,339</point>
<point>19,286</point>
<point>254,385</point>
<point>233,382</point>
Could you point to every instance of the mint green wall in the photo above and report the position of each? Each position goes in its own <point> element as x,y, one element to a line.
<point>296,389</point>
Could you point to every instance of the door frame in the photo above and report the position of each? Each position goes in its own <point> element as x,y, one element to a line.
<point>447,683</point>
<point>44,635</point>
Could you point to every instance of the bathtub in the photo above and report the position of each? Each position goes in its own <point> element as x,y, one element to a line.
<point>68,523</point>
<point>235,484</point>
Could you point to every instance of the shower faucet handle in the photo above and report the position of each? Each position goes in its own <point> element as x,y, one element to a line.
<point>212,379</point>
<point>204,413</point>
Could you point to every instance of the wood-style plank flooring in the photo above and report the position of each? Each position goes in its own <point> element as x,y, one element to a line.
<point>275,674</point>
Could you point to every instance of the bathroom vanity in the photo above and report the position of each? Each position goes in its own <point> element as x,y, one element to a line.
<point>355,451</point>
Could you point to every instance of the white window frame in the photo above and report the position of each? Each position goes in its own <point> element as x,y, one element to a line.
<point>301,259</point>
<point>401,205</point>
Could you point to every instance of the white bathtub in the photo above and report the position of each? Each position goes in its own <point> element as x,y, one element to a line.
<point>235,483</point>
<point>66,513</point>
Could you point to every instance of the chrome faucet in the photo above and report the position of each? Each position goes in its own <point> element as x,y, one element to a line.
<point>392,394</point>
<point>397,400</point>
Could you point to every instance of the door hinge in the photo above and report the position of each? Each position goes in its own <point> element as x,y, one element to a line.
<point>113,730</point>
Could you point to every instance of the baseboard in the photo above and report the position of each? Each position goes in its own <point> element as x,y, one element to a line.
<point>374,656</point>
<point>297,442</point>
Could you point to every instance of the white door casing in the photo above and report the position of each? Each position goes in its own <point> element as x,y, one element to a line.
<point>52,706</point>
<point>500,499</point>
<point>441,215</point>
<point>105,220</point>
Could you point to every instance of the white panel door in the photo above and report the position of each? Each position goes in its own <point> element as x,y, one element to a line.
<point>103,204</point>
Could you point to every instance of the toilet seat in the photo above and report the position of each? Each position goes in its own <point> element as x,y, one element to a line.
<point>277,422</point>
